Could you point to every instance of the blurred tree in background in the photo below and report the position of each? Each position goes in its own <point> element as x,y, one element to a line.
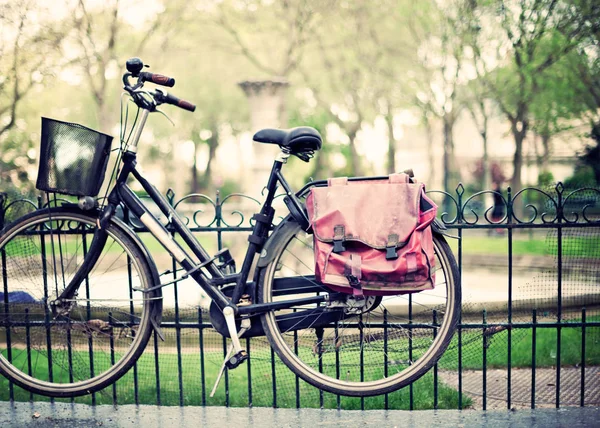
<point>358,71</point>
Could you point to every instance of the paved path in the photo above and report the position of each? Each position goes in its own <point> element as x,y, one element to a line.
<point>46,415</point>
<point>521,390</point>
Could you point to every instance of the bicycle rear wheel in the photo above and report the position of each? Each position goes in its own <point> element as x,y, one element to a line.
<point>392,342</point>
<point>100,333</point>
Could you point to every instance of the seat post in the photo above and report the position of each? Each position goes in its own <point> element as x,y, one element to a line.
<point>282,156</point>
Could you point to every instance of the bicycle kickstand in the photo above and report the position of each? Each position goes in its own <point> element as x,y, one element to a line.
<point>240,355</point>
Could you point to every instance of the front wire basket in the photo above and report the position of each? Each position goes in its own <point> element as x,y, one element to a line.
<point>73,158</point>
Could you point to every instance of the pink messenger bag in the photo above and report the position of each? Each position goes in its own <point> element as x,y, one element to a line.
<point>372,237</point>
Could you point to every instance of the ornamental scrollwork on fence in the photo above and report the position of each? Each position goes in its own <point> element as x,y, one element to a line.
<point>530,205</point>
<point>495,208</point>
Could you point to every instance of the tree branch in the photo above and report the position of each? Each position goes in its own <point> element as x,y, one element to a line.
<point>245,50</point>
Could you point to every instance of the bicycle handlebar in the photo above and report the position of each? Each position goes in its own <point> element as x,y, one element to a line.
<point>159,79</point>
<point>172,99</point>
<point>134,67</point>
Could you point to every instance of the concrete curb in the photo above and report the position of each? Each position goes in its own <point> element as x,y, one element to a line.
<point>81,415</point>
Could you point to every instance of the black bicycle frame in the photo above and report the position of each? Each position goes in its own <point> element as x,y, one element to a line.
<point>207,264</point>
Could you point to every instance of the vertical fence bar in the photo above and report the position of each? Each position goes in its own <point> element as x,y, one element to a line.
<point>70,357</point>
<point>484,358</point>
<point>273,378</point>
<point>88,311</point>
<point>510,273</point>
<point>131,323</point>
<point>136,387</point>
<point>201,343</point>
<point>385,354</point>
<point>582,392</point>
<point>435,367</point>
<point>337,362</point>
<point>559,295</point>
<point>362,357</point>
<point>28,344</point>
<point>297,378</point>
<point>460,385</point>
<point>226,373</point>
<point>7,327</point>
<point>249,371</point>
<point>411,395</point>
<point>319,331</point>
<point>156,369</point>
<point>46,296</point>
<point>533,356</point>
<point>177,332</point>
<point>111,342</point>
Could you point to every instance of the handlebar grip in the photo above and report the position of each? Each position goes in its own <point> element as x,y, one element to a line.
<point>186,105</point>
<point>159,79</point>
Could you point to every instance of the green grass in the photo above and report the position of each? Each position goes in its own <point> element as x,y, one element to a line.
<point>521,350</point>
<point>262,386</point>
<point>572,246</point>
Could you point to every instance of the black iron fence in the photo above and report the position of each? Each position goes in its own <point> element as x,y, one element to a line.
<point>529,334</point>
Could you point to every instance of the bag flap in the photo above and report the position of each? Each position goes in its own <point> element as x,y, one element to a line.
<point>369,211</point>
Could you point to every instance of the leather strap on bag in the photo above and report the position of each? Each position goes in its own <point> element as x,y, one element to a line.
<point>399,178</point>
<point>390,248</point>
<point>339,236</point>
<point>337,181</point>
<point>354,274</point>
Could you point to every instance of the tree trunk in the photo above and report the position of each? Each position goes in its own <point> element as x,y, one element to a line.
<point>519,137</point>
<point>194,186</point>
<point>319,166</point>
<point>485,167</point>
<point>206,182</point>
<point>391,154</point>
<point>430,154</point>
<point>355,167</point>
<point>449,161</point>
<point>545,152</point>
<point>213,143</point>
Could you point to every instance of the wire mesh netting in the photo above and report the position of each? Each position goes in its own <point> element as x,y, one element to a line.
<point>73,158</point>
<point>508,353</point>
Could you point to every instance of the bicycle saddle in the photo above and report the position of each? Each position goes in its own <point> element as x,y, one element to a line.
<point>296,140</point>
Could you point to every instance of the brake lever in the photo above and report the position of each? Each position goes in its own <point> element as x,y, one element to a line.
<point>165,115</point>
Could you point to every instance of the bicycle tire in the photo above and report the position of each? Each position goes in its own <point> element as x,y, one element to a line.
<point>107,327</point>
<point>352,357</point>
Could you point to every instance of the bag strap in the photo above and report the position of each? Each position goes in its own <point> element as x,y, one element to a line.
<point>354,274</point>
<point>339,236</point>
<point>400,177</point>
<point>390,248</point>
<point>337,181</point>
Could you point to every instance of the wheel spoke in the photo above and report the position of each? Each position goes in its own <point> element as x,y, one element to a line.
<point>107,326</point>
<point>357,347</point>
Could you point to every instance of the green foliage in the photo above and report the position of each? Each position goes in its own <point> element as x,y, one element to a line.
<point>583,176</point>
<point>18,160</point>
<point>349,63</point>
<point>545,180</point>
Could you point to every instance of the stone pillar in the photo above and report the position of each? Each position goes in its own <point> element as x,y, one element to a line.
<point>266,99</point>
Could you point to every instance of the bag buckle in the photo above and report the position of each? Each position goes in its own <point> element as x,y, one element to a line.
<point>353,281</point>
<point>338,246</point>
<point>339,239</point>
<point>390,253</point>
<point>390,249</point>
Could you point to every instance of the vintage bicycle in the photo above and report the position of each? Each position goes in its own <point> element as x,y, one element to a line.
<point>81,294</point>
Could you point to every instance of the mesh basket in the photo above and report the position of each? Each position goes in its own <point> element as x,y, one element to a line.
<point>73,158</point>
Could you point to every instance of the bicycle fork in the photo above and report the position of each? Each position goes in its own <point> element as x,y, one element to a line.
<point>91,258</point>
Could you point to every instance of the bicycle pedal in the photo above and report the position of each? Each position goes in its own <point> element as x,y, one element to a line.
<point>236,360</point>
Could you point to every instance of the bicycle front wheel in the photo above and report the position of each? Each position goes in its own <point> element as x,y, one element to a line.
<point>384,346</point>
<point>95,337</point>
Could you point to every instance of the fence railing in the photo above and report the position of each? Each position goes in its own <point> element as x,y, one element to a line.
<point>529,334</point>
